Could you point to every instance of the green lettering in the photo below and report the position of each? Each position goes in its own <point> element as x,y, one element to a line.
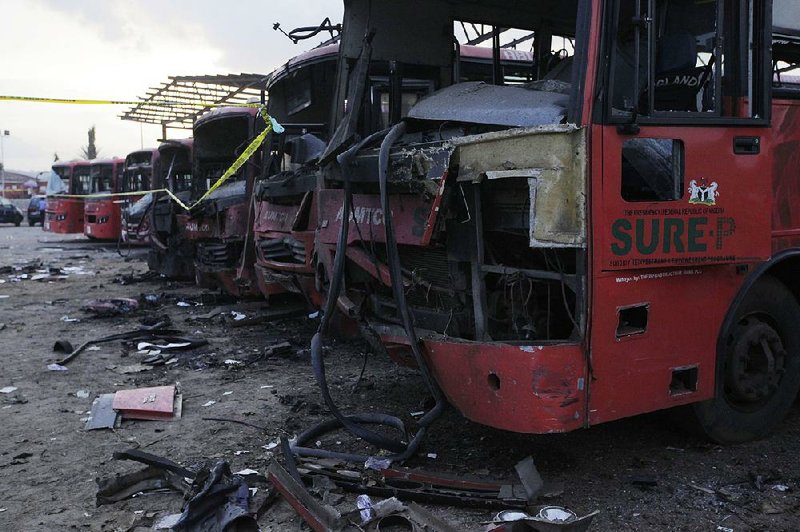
<point>695,233</point>
<point>725,227</point>
<point>649,248</point>
<point>619,230</point>
<point>673,232</point>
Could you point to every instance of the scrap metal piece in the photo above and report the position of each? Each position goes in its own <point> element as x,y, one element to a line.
<point>422,486</point>
<point>103,415</point>
<point>220,505</point>
<point>318,516</point>
<point>122,487</point>
<point>152,460</point>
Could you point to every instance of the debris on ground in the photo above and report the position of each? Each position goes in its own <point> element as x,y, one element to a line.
<point>155,403</point>
<point>103,415</point>
<point>107,308</point>
<point>150,333</point>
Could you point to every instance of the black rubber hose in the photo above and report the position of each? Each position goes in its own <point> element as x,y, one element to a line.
<point>396,276</point>
<point>353,423</point>
<point>334,289</point>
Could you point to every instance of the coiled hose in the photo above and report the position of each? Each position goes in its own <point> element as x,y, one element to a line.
<point>354,423</point>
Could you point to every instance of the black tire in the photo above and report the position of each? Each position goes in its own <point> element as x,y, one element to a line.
<point>31,223</point>
<point>758,367</point>
<point>18,222</point>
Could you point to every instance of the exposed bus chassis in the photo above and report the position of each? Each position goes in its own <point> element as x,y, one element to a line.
<point>493,258</point>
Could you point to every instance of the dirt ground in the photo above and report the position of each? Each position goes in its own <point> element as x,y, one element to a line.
<point>640,473</point>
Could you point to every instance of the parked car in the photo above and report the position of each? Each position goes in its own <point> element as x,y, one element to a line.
<point>36,209</point>
<point>10,213</point>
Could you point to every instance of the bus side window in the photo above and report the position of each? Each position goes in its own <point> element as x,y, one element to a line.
<point>652,170</point>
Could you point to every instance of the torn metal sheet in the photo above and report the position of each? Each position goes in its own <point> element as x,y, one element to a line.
<point>103,415</point>
<point>552,159</point>
<point>156,403</point>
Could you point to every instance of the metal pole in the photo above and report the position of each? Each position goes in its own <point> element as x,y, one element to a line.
<point>3,161</point>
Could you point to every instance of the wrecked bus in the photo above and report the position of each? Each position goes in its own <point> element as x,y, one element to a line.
<point>285,212</point>
<point>616,237</point>
<point>171,253</point>
<point>102,216</point>
<point>301,99</point>
<point>64,214</point>
<point>140,167</point>
<point>221,225</point>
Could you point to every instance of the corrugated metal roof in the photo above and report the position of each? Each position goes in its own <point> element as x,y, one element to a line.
<point>179,101</point>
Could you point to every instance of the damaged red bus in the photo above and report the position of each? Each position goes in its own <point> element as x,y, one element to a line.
<point>221,225</point>
<point>140,167</point>
<point>301,98</point>
<point>171,252</point>
<point>65,214</point>
<point>619,236</point>
<point>102,214</point>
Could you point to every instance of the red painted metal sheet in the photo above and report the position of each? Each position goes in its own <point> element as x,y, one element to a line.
<point>273,217</point>
<point>786,188</point>
<point>64,215</point>
<point>410,214</point>
<point>528,389</point>
<point>717,219</point>
<point>195,228</point>
<point>146,403</point>
<point>103,218</point>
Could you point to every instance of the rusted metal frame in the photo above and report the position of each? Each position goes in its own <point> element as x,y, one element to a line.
<point>479,303</point>
<point>421,492</point>
<point>569,280</point>
<point>443,480</point>
<point>319,517</point>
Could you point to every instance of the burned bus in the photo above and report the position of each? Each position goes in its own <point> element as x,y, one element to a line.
<point>64,212</point>
<point>615,237</point>
<point>220,227</point>
<point>171,253</point>
<point>102,214</point>
<point>140,167</point>
<point>301,98</point>
<point>285,212</point>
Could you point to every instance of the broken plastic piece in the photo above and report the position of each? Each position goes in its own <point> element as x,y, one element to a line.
<point>364,504</point>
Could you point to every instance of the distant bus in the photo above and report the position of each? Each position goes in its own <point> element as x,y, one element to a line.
<point>102,213</point>
<point>64,214</point>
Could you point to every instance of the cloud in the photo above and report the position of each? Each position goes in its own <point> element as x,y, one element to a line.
<point>114,49</point>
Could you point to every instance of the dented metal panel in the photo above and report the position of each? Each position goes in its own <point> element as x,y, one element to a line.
<point>555,156</point>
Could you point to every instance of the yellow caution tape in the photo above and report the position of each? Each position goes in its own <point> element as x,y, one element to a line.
<point>271,125</point>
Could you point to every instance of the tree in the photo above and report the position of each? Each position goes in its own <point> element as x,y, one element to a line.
<point>90,151</point>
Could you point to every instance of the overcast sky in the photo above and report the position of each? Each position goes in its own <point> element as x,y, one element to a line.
<point>115,49</point>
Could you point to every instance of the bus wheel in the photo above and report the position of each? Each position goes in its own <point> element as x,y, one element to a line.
<point>758,367</point>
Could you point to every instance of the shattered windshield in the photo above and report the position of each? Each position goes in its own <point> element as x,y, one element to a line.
<point>217,144</point>
<point>483,62</point>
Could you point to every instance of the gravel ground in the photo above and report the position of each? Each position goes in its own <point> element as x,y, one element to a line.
<point>640,473</point>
